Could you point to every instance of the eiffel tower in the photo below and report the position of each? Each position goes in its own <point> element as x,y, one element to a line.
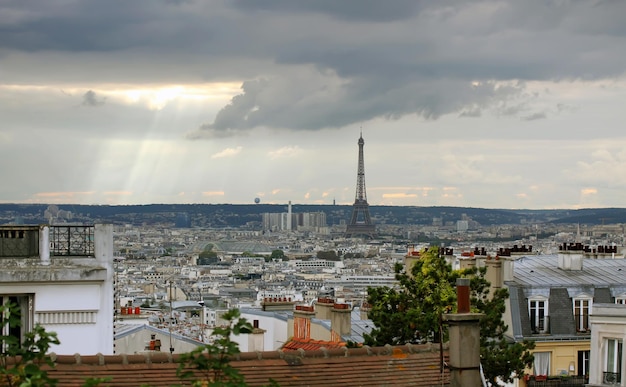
<point>360,222</point>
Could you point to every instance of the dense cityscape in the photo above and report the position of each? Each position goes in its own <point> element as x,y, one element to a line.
<point>179,204</point>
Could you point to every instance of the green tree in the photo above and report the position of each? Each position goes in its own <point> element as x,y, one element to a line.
<point>277,254</point>
<point>330,255</point>
<point>22,358</point>
<point>412,313</point>
<point>207,257</point>
<point>500,357</point>
<point>212,361</point>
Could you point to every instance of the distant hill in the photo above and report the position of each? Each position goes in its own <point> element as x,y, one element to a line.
<point>238,215</point>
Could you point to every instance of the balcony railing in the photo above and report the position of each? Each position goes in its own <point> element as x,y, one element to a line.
<point>64,241</point>
<point>611,378</point>
<point>19,241</point>
<point>561,381</point>
<point>72,241</point>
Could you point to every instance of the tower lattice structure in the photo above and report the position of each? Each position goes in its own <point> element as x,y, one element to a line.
<point>360,222</point>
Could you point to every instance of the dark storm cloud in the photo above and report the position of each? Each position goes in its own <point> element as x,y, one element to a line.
<point>268,103</point>
<point>327,63</point>
<point>96,26</point>
<point>355,10</point>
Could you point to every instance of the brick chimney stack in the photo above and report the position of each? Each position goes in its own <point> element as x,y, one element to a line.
<point>495,273</point>
<point>302,321</point>
<point>340,322</point>
<point>464,332</point>
<point>323,308</point>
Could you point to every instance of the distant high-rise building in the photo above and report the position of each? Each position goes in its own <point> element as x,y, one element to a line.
<point>360,222</point>
<point>182,220</point>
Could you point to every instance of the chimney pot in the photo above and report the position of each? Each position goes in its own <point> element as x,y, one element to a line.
<point>463,295</point>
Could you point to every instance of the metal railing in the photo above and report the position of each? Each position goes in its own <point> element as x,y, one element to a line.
<point>561,381</point>
<point>64,241</point>
<point>611,378</point>
<point>72,241</point>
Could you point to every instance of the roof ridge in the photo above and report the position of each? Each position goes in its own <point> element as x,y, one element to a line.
<point>165,357</point>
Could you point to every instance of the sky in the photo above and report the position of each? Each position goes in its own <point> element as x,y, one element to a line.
<point>493,104</point>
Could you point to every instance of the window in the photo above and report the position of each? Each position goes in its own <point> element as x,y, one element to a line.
<point>612,361</point>
<point>538,310</point>
<point>583,363</point>
<point>541,366</point>
<point>620,300</point>
<point>582,306</point>
<point>23,309</point>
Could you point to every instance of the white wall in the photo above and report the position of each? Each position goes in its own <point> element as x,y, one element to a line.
<point>71,296</point>
<point>275,332</point>
<point>608,321</point>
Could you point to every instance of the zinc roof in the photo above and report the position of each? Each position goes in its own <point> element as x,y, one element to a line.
<point>542,271</point>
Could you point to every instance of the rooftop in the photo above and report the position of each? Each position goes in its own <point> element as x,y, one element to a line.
<point>414,365</point>
<point>543,271</point>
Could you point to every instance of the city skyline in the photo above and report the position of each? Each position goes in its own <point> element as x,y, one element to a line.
<point>490,104</point>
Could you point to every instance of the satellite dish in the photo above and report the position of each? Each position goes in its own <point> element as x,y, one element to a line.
<point>257,200</point>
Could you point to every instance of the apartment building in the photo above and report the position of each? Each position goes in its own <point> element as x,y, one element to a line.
<point>551,299</point>
<point>62,278</point>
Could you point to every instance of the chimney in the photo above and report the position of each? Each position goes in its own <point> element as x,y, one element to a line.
<point>277,304</point>
<point>467,262</point>
<point>464,332</point>
<point>323,308</point>
<point>256,339</point>
<point>570,256</point>
<point>302,321</point>
<point>340,322</point>
<point>495,273</point>
<point>365,310</point>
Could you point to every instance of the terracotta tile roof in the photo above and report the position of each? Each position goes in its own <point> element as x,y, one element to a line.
<point>310,345</point>
<point>414,365</point>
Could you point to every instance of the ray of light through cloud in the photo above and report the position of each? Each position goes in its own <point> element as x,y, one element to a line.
<point>459,103</point>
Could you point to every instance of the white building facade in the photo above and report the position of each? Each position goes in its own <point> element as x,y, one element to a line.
<point>608,332</point>
<point>61,277</point>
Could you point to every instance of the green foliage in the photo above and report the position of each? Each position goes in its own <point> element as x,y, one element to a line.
<point>330,255</point>
<point>207,254</point>
<point>412,313</point>
<point>212,361</point>
<point>500,357</point>
<point>207,257</point>
<point>277,254</point>
<point>353,255</point>
<point>21,359</point>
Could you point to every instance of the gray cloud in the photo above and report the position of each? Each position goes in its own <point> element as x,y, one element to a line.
<point>90,98</point>
<point>328,64</point>
<point>332,104</point>
<point>535,116</point>
<point>352,10</point>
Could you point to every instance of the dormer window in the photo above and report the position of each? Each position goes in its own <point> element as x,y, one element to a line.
<point>538,313</point>
<point>582,308</point>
